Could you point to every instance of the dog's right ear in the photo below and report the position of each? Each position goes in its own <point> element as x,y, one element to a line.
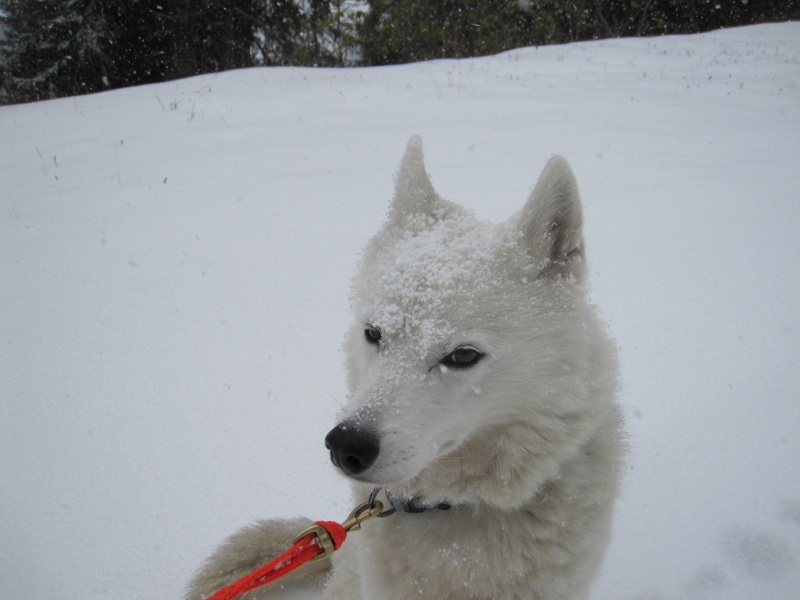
<point>551,223</point>
<point>416,204</point>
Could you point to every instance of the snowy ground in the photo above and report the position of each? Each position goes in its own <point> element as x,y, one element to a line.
<point>175,264</point>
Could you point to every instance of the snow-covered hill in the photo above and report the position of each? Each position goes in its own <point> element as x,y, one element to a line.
<point>174,272</point>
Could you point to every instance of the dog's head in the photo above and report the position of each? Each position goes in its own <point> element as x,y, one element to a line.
<point>474,356</point>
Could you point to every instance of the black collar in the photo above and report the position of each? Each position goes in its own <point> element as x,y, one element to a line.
<point>414,504</point>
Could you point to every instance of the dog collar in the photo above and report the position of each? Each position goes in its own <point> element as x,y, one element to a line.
<point>414,504</point>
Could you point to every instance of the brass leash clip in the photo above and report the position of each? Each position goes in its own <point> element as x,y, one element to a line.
<point>361,513</point>
<point>323,539</point>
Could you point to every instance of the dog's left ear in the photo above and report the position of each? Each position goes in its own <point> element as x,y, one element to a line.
<point>551,223</point>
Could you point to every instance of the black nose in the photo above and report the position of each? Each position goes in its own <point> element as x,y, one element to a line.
<point>352,450</point>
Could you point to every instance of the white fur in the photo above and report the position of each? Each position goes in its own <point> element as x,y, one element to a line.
<point>525,444</point>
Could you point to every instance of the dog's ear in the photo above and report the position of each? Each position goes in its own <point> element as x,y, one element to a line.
<point>414,195</point>
<point>551,223</point>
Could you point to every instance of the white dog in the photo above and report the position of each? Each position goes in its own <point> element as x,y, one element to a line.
<point>482,399</point>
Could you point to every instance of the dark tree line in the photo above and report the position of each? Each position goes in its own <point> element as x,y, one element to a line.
<point>66,47</point>
<point>58,48</point>
<point>397,31</point>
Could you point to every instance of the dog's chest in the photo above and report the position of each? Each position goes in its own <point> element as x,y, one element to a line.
<point>444,555</point>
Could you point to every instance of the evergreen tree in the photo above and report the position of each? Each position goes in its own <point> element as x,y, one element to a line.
<point>277,37</point>
<point>327,33</point>
<point>65,47</point>
<point>56,48</point>
<point>341,32</point>
<point>156,40</point>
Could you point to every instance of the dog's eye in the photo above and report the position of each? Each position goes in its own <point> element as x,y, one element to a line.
<point>462,358</point>
<point>373,334</point>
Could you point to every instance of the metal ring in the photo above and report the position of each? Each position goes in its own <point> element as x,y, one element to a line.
<point>371,503</point>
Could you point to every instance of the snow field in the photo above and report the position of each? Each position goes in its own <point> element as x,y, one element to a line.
<point>174,277</point>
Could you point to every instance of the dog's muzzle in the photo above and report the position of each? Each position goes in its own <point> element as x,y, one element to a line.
<point>353,450</point>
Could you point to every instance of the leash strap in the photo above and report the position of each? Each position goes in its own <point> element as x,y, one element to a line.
<point>321,539</point>
<point>307,548</point>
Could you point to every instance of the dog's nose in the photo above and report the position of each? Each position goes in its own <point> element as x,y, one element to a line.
<point>352,450</point>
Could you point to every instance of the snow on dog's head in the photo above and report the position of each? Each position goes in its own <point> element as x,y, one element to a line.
<point>463,333</point>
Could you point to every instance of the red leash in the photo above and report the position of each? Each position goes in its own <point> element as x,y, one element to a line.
<point>317,541</point>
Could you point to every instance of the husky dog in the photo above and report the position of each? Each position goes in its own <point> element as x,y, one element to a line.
<point>482,400</point>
